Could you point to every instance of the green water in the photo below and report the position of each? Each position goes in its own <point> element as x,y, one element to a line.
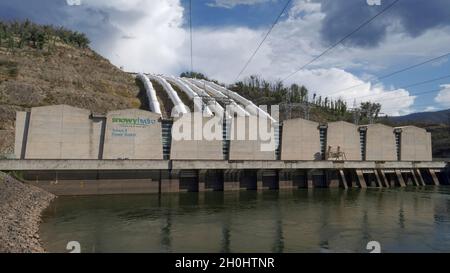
<point>319,220</point>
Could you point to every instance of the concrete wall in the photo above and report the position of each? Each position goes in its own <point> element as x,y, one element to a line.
<point>380,145</point>
<point>300,140</point>
<point>133,134</point>
<point>19,134</point>
<point>62,132</point>
<point>65,132</point>
<point>247,144</point>
<point>415,144</point>
<point>95,182</point>
<point>346,136</point>
<point>196,137</point>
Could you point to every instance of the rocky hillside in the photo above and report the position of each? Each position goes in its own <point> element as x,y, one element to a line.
<point>21,206</point>
<point>59,73</point>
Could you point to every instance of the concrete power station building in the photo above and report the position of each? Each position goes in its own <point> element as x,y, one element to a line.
<point>304,154</point>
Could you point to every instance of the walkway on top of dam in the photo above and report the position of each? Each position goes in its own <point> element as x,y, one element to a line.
<point>76,164</point>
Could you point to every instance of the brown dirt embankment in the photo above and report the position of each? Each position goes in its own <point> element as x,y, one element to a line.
<point>21,206</point>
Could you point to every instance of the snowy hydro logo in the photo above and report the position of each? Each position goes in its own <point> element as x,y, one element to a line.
<point>134,121</point>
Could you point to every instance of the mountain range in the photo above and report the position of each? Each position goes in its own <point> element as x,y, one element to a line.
<point>438,117</point>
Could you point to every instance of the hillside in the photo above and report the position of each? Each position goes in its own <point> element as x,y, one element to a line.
<point>59,72</point>
<point>437,123</point>
<point>438,117</point>
<point>41,65</point>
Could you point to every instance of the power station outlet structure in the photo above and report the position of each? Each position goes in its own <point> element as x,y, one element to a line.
<point>71,151</point>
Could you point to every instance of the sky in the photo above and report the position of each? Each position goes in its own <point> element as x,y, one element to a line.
<point>153,36</point>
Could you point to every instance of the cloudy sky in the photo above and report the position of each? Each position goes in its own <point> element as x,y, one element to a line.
<point>153,36</point>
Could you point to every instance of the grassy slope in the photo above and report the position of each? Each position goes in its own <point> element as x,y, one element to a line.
<point>63,75</point>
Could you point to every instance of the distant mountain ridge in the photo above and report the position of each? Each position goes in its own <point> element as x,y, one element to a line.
<point>438,117</point>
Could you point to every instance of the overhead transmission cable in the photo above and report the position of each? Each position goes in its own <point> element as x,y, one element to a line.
<point>407,86</point>
<point>190,31</point>
<point>264,39</point>
<point>407,95</point>
<point>342,40</point>
<point>415,105</point>
<point>393,73</point>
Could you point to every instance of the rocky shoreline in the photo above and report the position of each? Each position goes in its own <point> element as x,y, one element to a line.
<point>21,206</point>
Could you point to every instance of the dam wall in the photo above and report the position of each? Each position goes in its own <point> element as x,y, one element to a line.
<point>192,138</point>
<point>57,132</point>
<point>132,134</point>
<point>71,151</point>
<point>65,132</point>
<point>344,137</point>
<point>252,139</point>
<point>379,143</point>
<point>300,140</point>
<point>415,144</point>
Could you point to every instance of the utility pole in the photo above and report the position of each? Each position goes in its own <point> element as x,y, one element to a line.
<point>356,113</point>
<point>290,103</point>
<point>307,110</point>
<point>190,30</point>
<point>448,121</point>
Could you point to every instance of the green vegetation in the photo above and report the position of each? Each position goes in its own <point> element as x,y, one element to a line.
<point>8,70</point>
<point>27,34</point>
<point>196,75</point>
<point>47,65</point>
<point>295,98</point>
<point>263,92</point>
<point>440,135</point>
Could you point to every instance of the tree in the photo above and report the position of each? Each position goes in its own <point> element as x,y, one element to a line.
<point>370,111</point>
<point>37,36</point>
<point>193,74</point>
<point>303,94</point>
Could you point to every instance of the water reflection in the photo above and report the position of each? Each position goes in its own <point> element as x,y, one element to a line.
<point>319,220</point>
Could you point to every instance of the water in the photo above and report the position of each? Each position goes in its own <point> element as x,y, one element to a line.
<point>321,220</point>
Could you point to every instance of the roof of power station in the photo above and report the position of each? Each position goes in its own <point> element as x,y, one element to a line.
<point>222,126</point>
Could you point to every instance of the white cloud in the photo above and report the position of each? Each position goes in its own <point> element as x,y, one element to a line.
<point>158,42</point>
<point>153,42</point>
<point>325,82</point>
<point>430,109</point>
<point>443,97</point>
<point>232,3</point>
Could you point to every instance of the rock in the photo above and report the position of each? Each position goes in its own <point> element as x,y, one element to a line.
<point>21,206</point>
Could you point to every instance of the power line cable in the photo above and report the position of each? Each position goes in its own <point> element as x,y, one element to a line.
<point>393,73</point>
<point>343,39</point>
<point>190,30</point>
<point>404,96</point>
<point>407,86</point>
<point>416,105</point>
<point>264,39</point>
